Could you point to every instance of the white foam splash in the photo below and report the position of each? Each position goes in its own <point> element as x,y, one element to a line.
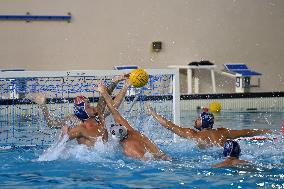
<point>101,152</point>
<point>55,150</point>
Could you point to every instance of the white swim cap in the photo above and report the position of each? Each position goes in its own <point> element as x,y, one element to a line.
<point>118,131</point>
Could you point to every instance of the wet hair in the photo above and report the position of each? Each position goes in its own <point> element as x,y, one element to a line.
<point>207,120</point>
<point>232,149</point>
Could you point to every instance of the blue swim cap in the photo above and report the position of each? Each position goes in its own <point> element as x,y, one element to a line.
<point>79,108</point>
<point>231,149</point>
<point>207,120</point>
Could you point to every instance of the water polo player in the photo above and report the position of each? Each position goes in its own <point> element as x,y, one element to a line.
<point>134,143</point>
<point>206,134</point>
<point>232,153</point>
<point>89,120</point>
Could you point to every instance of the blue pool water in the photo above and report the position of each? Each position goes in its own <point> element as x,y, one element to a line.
<point>104,166</point>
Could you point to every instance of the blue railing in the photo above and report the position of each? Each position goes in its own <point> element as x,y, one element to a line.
<point>29,17</point>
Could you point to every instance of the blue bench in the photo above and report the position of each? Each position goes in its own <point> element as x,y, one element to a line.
<point>241,69</point>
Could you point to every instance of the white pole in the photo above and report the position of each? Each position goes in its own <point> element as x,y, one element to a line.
<point>213,80</point>
<point>189,81</point>
<point>176,99</point>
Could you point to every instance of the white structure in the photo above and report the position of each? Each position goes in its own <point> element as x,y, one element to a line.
<point>190,69</point>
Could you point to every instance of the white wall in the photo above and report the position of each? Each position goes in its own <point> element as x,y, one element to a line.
<point>104,33</point>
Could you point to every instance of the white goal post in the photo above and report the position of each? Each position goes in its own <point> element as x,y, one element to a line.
<point>67,84</point>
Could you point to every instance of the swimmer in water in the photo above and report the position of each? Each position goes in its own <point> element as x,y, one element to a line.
<point>205,135</point>
<point>90,120</point>
<point>135,144</point>
<point>232,153</point>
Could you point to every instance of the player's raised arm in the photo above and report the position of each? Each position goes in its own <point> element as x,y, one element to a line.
<point>110,104</point>
<point>101,103</point>
<point>183,132</point>
<point>232,134</point>
<point>52,122</point>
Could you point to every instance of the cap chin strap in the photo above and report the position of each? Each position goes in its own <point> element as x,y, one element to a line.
<point>125,137</point>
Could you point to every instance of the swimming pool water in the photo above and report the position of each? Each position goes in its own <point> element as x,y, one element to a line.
<point>104,166</point>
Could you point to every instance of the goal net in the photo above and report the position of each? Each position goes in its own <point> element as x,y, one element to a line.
<point>22,122</point>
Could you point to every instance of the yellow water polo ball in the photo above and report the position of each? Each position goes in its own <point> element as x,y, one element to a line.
<point>215,106</point>
<point>139,77</point>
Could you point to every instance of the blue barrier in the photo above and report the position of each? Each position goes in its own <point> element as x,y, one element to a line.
<point>36,17</point>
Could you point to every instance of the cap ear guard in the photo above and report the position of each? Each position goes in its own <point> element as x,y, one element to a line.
<point>207,120</point>
<point>232,149</point>
<point>118,131</point>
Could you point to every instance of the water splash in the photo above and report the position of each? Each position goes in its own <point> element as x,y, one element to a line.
<point>55,150</point>
<point>100,152</point>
